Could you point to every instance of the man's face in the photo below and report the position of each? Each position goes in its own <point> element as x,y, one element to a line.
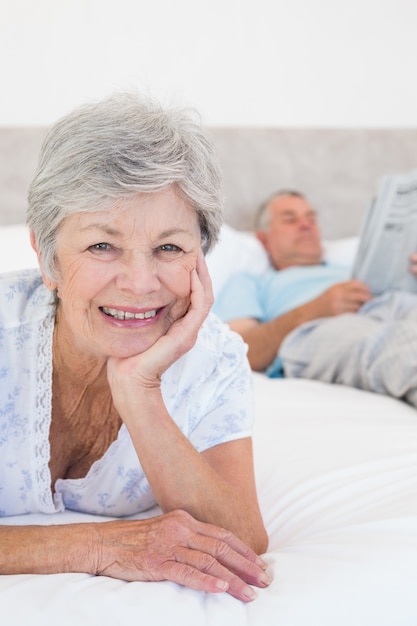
<point>293,236</point>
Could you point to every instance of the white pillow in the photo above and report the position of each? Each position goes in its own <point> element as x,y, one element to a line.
<point>241,251</point>
<point>341,251</point>
<point>16,253</point>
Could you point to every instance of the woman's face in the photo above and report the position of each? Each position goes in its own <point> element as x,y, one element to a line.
<point>124,273</point>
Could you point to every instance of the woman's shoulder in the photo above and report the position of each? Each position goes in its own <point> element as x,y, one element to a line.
<point>21,294</point>
<point>19,280</point>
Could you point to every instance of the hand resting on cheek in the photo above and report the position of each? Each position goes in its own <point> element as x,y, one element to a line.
<point>147,368</point>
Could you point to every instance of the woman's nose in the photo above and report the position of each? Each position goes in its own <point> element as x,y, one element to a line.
<point>139,274</point>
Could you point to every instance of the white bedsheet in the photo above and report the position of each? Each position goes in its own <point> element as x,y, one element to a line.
<point>337,480</point>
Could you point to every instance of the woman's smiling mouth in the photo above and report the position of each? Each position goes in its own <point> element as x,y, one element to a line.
<point>127,315</point>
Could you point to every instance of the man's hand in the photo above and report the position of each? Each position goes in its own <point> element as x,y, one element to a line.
<point>413,264</point>
<point>346,297</point>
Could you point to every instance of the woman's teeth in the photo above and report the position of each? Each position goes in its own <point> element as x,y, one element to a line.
<point>126,315</point>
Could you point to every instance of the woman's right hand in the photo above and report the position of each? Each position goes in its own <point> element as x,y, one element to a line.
<point>177,547</point>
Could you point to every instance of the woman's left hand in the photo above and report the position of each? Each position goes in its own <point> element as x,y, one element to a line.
<point>147,368</point>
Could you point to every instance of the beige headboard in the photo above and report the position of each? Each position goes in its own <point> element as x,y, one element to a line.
<point>337,169</point>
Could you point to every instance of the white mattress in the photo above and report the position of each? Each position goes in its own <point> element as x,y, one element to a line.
<point>337,479</point>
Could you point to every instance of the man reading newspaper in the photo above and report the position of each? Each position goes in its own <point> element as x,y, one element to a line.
<point>369,341</point>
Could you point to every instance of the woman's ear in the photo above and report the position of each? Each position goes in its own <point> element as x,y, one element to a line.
<point>49,284</point>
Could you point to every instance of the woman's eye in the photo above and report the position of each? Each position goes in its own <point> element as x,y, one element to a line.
<point>100,247</point>
<point>169,247</point>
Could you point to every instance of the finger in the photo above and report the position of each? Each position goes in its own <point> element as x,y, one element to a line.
<point>357,289</point>
<point>201,284</point>
<point>222,534</point>
<point>203,273</point>
<point>182,334</point>
<point>413,264</point>
<point>227,548</point>
<point>359,296</point>
<point>203,572</point>
<point>201,295</point>
<point>223,554</point>
<point>185,570</point>
<point>189,325</point>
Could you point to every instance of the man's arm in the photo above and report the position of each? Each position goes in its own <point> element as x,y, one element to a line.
<point>264,339</point>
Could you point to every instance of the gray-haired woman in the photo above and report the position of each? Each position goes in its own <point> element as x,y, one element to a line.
<point>119,388</point>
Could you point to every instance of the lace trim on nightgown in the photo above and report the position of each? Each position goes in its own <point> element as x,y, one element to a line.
<point>43,410</point>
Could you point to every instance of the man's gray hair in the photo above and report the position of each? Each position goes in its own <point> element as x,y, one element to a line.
<point>262,216</point>
<point>113,149</point>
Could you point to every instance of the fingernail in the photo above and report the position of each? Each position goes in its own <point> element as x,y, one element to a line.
<point>265,578</point>
<point>222,585</point>
<point>249,593</point>
<point>261,563</point>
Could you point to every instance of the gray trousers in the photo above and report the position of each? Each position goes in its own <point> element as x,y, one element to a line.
<point>374,349</point>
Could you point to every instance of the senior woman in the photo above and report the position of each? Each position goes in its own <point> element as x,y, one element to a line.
<point>119,388</point>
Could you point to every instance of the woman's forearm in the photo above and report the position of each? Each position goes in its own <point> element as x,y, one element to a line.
<point>182,478</point>
<point>172,547</point>
<point>46,549</point>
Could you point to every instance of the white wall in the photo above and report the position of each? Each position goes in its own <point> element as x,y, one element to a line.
<point>240,62</point>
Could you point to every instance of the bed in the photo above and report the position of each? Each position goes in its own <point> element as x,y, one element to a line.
<point>336,468</point>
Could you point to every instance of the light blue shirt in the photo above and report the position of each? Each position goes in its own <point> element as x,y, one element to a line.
<point>273,293</point>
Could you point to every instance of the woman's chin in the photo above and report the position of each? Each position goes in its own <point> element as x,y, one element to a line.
<point>129,342</point>
<point>126,351</point>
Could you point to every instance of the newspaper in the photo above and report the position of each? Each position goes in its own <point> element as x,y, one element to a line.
<point>389,236</point>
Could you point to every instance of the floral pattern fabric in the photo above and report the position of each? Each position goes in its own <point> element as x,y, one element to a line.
<point>208,393</point>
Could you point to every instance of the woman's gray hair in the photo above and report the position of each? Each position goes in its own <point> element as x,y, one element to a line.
<point>114,149</point>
